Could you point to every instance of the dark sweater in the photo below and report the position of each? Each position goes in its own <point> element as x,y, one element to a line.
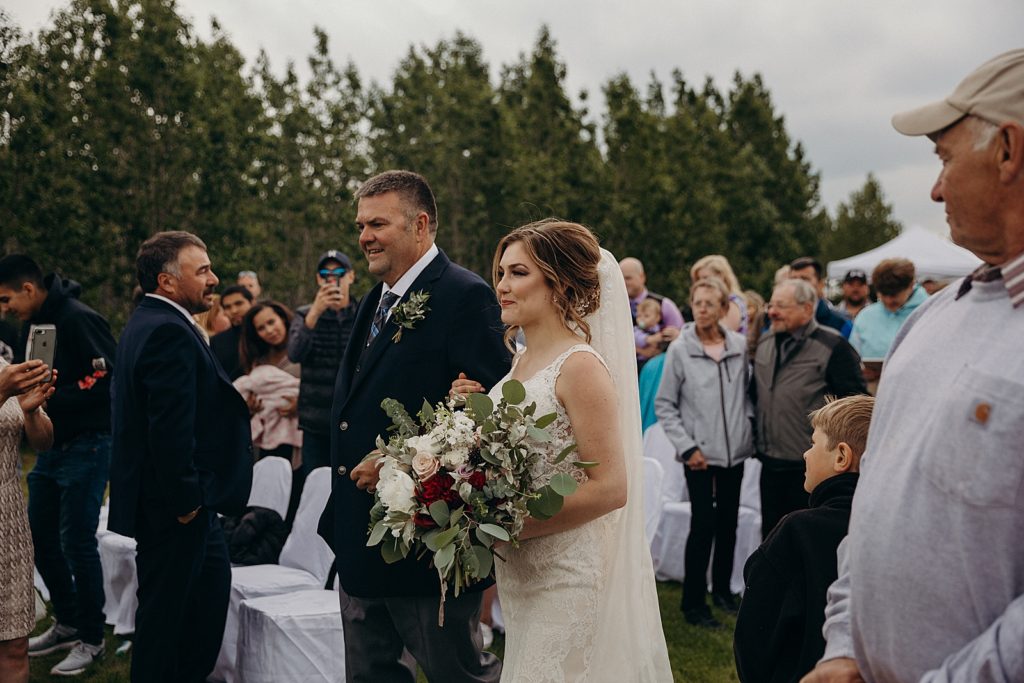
<point>778,631</point>
<point>84,360</point>
<point>225,347</point>
<point>319,351</point>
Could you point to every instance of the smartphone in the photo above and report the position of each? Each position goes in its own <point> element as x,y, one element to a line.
<point>42,345</point>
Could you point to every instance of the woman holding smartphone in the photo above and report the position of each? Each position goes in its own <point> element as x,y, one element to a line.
<point>23,392</point>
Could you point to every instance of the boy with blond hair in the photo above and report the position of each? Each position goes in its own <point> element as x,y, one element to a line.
<point>778,630</point>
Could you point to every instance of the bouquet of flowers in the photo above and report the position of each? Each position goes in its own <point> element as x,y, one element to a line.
<point>456,481</point>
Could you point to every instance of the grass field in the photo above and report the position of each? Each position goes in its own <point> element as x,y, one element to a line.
<point>697,655</point>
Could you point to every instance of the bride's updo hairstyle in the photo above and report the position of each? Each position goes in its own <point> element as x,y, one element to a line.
<point>567,255</point>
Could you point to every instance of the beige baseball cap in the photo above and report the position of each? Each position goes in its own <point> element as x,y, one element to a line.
<point>993,92</point>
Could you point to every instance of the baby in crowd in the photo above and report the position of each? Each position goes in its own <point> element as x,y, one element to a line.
<point>648,321</point>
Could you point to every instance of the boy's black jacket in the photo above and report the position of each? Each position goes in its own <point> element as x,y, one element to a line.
<point>778,630</point>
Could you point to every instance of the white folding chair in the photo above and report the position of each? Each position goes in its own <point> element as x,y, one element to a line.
<point>304,563</point>
<point>271,485</point>
<point>654,475</point>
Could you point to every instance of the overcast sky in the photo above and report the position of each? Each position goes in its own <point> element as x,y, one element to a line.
<point>837,69</point>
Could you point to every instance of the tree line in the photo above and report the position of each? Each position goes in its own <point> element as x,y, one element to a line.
<point>118,121</point>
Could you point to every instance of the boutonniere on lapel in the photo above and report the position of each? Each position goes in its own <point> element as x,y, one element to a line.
<point>409,312</point>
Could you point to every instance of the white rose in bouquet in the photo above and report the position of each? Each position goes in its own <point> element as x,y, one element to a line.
<point>396,489</point>
<point>425,444</point>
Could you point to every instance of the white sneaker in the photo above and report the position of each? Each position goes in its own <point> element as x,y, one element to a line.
<point>80,658</point>
<point>57,637</point>
<point>488,633</point>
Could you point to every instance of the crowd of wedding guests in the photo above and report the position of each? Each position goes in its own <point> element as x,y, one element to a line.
<point>728,376</point>
<point>699,370</point>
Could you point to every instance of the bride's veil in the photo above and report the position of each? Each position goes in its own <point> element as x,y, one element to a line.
<point>630,640</point>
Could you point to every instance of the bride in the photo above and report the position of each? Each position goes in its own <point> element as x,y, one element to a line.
<point>578,592</point>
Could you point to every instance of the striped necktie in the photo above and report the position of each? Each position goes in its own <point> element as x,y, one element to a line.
<point>386,302</point>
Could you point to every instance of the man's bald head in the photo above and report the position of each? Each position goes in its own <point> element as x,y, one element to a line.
<point>633,273</point>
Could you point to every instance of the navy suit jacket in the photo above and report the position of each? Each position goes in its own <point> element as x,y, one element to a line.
<point>181,436</point>
<point>462,332</point>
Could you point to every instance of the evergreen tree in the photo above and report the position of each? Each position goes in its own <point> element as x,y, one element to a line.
<point>117,122</point>
<point>863,222</point>
<point>554,167</point>
<point>440,119</point>
<point>772,191</point>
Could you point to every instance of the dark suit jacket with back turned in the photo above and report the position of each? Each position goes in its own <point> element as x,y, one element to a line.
<point>462,332</point>
<point>181,430</point>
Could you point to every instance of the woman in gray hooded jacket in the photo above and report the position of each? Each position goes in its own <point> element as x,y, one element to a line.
<point>704,408</point>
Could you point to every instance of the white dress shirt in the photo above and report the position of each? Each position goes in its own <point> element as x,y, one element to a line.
<point>404,282</point>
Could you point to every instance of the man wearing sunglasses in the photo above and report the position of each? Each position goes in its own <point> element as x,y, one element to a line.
<point>318,337</point>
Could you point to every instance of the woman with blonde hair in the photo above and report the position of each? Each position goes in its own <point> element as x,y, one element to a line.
<point>577,592</point>
<point>716,265</point>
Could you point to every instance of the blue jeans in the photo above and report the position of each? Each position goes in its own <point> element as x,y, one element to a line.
<point>65,493</point>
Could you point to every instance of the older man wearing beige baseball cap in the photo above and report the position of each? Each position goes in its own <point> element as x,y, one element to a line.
<point>931,575</point>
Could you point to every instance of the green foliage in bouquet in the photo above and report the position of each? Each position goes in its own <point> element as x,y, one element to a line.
<point>456,482</point>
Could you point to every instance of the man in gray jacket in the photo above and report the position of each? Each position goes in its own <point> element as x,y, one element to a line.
<point>796,365</point>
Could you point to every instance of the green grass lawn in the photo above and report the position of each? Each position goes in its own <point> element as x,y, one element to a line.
<point>697,655</point>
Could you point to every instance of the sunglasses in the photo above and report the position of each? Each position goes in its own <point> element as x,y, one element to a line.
<point>335,272</point>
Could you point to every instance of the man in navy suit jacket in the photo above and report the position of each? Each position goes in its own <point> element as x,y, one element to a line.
<point>182,452</point>
<point>389,611</point>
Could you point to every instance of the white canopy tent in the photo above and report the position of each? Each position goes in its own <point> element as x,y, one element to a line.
<point>934,257</point>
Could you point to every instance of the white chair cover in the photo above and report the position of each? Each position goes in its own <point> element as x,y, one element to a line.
<point>750,489</point>
<point>654,475</point>
<point>658,447</point>
<point>748,539</point>
<point>669,545</point>
<point>101,524</point>
<point>120,581</point>
<point>304,563</point>
<point>271,485</point>
<point>304,549</point>
<point>669,542</point>
<point>295,637</point>
<point>40,585</point>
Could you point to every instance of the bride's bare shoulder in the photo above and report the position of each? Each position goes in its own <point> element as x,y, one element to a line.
<point>584,371</point>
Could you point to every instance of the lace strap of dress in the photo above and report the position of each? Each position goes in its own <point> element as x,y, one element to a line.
<point>556,366</point>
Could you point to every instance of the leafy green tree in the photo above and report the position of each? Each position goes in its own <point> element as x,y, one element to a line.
<point>303,173</point>
<point>439,119</point>
<point>117,122</point>
<point>773,198</point>
<point>554,166</point>
<point>863,222</point>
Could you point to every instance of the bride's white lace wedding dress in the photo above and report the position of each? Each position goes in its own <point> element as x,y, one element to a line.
<point>581,605</point>
<point>550,586</point>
